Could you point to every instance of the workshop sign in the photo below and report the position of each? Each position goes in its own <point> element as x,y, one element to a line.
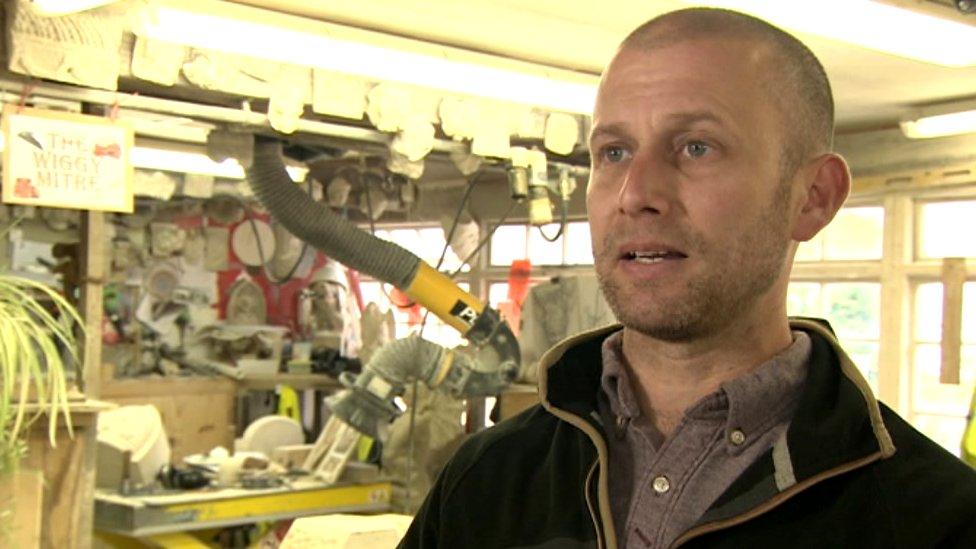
<point>66,160</point>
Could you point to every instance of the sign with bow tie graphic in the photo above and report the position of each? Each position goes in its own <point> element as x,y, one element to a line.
<point>66,160</point>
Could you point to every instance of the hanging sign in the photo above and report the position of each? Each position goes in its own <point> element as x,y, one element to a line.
<point>66,160</point>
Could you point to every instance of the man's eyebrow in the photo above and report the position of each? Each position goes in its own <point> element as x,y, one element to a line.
<point>609,130</point>
<point>688,118</point>
<point>678,119</point>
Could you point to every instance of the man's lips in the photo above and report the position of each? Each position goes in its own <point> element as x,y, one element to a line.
<point>649,253</point>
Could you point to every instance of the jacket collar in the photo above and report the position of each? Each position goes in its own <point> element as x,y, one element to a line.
<point>838,420</point>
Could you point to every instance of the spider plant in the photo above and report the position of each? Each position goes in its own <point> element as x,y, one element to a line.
<point>36,347</point>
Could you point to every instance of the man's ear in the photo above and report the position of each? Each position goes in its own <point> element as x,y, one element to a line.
<point>826,190</point>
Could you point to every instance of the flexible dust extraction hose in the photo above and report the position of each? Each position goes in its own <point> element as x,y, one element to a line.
<point>368,401</point>
<point>341,240</point>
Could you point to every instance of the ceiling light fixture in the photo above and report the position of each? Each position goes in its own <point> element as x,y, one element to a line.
<point>264,34</point>
<point>873,25</point>
<point>942,121</point>
<point>152,158</point>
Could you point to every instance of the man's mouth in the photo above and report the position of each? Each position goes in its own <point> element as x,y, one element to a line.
<point>648,257</point>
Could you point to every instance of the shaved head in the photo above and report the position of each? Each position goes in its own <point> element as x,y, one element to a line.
<point>796,81</point>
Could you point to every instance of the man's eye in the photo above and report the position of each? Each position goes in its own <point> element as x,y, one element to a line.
<point>614,153</point>
<point>696,149</point>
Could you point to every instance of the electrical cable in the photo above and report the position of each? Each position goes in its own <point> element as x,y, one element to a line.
<point>450,235</point>
<point>249,216</point>
<point>564,213</point>
<point>485,239</point>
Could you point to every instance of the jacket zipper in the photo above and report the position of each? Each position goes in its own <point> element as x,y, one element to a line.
<point>589,504</point>
<point>775,501</point>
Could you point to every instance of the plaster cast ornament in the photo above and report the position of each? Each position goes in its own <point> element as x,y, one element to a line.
<point>226,72</point>
<point>194,248</point>
<point>288,254</point>
<point>137,220</point>
<point>466,235</point>
<point>337,193</point>
<point>246,304</point>
<point>392,106</point>
<point>337,94</point>
<point>224,210</point>
<point>125,256</point>
<point>82,48</point>
<point>197,185</point>
<point>374,202</point>
<point>217,248</point>
<point>398,163</point>
<point>253,242</point>
<point>157,61</point>
<point>465,162</point>
<point>562,133</point>
<point>224,144</point>
<point>459,117</point>
<point>154,184</point>
<point>167,239</point>
<point>161,281</point>
<point>415,139</point>
<point>289,92</point>
<point>60,219</point>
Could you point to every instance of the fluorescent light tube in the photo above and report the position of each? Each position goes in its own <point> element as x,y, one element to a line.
<point>940,125</point>
<point>151,158</point>
<point>868,24</point>
<point>288,39</point>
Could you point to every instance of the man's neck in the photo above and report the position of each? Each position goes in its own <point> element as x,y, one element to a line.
<point>671,377</point>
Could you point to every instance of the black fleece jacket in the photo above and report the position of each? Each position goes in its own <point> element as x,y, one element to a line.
<point>848,473</point>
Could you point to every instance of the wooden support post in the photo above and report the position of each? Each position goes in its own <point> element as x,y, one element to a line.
<point>894,365</point>
<point>953,278</point>
<point>93,276</point>
<point>93,269</point>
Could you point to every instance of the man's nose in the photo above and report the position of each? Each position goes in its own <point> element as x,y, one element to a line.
<point>645,188</point>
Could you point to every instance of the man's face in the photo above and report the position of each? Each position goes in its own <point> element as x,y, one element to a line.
<point>688,204</point>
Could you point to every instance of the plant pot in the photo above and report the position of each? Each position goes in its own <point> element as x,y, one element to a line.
<point>21,494</point>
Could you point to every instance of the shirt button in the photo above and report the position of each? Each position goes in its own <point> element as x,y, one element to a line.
<point>661,485</point>
<point>737,437</point>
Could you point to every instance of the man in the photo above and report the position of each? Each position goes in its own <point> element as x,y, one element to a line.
<point>708,419</point>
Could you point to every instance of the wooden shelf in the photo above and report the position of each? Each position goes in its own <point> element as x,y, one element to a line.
<point>268,382</point>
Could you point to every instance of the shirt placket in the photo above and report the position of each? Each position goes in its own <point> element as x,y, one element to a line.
<point>658,490</point>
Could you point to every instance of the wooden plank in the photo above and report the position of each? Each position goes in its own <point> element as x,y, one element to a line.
<point>953,278</point>
<point>93,269</point>
<point>166,386</point>
<point>69,479</point>
<point>893,360</point>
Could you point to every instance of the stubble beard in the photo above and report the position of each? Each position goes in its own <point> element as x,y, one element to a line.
<point>734,280</point>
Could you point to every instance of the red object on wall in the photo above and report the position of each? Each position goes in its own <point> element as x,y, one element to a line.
<point>281,299</point>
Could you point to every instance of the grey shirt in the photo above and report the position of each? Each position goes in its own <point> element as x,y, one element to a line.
<point>660,487</point>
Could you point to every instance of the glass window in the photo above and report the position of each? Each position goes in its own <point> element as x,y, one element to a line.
<point>427,244</point>
<point>853,310</point>
<point>579,250</point>
<point>947,431</point>
<point>939,409</point>
<point>856,233</point>
<point>946,229</point>
<point>508,243</point>
<point>541,251</point>
<point>435,329</point>
<point>811,250</point>
<point>933,397</point>
<point>497,293</point>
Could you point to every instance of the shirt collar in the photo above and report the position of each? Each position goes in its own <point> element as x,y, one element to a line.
<point>753,401</point>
